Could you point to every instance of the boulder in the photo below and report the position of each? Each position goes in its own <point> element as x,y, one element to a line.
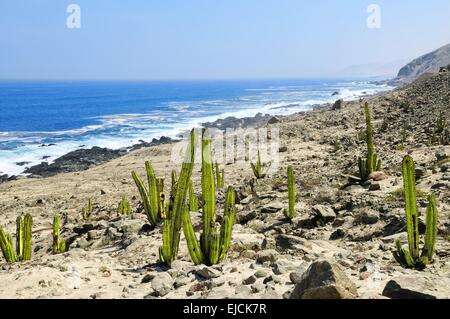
<point>324,280</point>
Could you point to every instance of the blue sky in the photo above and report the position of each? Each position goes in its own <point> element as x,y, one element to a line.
<point>196,39</point>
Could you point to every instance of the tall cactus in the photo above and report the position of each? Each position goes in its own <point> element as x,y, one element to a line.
<point>290,212</point>
<point>59,244</point>
<point>149,197</point>
<point>411,257</point>
<point>172,225</point>
<point>213,245</point>
<point>371,163</point>
<point>23,240</point>
<point>220,176</point>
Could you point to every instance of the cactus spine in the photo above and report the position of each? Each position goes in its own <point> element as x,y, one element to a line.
<point>371,163</point>
<point>172,225</point>
<point>213,245</point>
<point>411,257</point>
<point>290,212</point>
<point>149,197</point>
<point>59,245</point>
<point>23,240</point>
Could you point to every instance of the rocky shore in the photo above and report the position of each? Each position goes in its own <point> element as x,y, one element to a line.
<point>339,246</point>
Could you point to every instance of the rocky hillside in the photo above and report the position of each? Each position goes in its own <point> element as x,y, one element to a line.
<point>428,63</point>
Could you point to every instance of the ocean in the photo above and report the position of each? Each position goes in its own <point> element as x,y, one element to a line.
<point>41,121</point>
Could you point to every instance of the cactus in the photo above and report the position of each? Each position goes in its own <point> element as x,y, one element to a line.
<point>7,246</point>
<point>124,207</point>
<point>150,198</point>
<point>259,167</point>
<point>220,176</point>
<point>411,257</point>
<point>161,197</point>
<point>371,163</point>
<point>23,240</point>
<point>172,224</point>
<point>213,245</point>
<point>59,244</point>
<point>86,212</point>
<point>290,212</point>
<point>193,201</point>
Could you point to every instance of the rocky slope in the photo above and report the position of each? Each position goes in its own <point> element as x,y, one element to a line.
<point>428,63</point>
<point>339,246</point>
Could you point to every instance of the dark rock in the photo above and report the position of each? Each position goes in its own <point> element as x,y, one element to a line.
<point>339,104</point>
<point>338,234</point>
<point>274,120</point>
<point>283,149</point>
<point>324,214</point>
<point>78,160</point>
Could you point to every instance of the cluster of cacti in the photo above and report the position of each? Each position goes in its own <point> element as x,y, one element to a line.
<point>124,207</point>
<point>150,198</point>
<point>86,212</point>
<point>441,134</point>
<point>59,244</point>
<point>220,176</point>
<point>213,245</point>
<point>290,212</point>
<point>23,241</point>
<point>371,163</point>
<point>411,257</point>
<point>260,169</point>
<point>172,224</point>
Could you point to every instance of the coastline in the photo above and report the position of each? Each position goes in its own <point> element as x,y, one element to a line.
<point>97,155</point>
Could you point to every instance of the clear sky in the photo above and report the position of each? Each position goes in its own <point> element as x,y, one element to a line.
<point>195,39</point>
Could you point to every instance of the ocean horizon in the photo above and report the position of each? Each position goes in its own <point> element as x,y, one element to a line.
<point>43,120</point>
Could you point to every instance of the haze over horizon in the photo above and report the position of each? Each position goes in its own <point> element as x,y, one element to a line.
<point>215,40</point>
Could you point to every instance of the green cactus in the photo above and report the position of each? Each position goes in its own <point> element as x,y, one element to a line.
<point>150,197</point>
<point>162,197</point>
<point>371,163</point>
<point>87,211</point>
<point>7,246</point>
<point>23,240</point>
<point>193,201</point>
<point>220,176</point>
<point>172,225</point>
<point>259,169</point>
<point>411,257</point>
<point>124,207</point>
<point>59,244</point>
<point>213,245</point>
<point>290,212</point>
